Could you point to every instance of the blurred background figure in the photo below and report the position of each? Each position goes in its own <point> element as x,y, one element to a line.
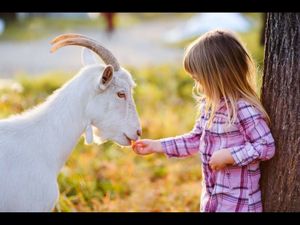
<point>110,21</point>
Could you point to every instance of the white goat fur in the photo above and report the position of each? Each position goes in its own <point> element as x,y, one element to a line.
<point>35,145</point>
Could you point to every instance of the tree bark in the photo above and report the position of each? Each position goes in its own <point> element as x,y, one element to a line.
<point>263,29</point>
<point>280,181</point>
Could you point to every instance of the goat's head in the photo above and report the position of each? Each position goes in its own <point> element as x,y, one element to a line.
<point>111,109</point>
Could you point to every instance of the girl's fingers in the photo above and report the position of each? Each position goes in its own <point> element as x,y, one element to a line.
<point>146,149</point>
<point>140,142</point>
<point>140,145</point>
<point>142,150</point>
<point>133,143</point>
<point>138,149</point>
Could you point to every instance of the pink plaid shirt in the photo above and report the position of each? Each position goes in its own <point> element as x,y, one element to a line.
<point>235,188</point>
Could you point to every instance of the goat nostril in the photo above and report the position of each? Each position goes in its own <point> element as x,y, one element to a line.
<point>139,132</point>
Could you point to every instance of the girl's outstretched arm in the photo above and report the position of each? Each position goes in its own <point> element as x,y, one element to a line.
<point>147,146</point>
<point>179,146</point>
<point>183,145</point>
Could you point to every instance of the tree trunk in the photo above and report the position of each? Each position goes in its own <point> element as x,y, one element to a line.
<point>263,29</point>
<point>281,97</point>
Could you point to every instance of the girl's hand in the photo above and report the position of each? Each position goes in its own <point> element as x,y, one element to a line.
<point>147,146</point>
<point>220,159</point>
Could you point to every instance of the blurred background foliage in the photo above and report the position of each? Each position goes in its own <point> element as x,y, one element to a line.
<point>108,177</point>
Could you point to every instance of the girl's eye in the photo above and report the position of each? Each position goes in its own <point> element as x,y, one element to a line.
<point>121,95</point>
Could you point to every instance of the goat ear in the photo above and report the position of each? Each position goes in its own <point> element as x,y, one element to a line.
<point>88,57</point>
<point>106,77</point>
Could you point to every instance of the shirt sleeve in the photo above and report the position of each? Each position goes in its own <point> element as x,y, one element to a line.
<point>183,145</point>
<point>259,140</point>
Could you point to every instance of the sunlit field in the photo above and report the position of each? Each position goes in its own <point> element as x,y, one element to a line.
<point>111,178</point>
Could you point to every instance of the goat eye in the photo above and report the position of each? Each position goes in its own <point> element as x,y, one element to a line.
<point>121,95</point>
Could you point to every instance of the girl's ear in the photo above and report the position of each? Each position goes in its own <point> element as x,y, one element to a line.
<point>88,57</point>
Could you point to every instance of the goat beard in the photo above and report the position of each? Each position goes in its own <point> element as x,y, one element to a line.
<point>92,134</point>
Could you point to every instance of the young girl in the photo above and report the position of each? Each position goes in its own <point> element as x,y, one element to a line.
<point>231,133</point>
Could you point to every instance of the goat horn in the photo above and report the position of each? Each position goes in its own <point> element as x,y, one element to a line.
<point>70,35</point>
<point>76,39</point>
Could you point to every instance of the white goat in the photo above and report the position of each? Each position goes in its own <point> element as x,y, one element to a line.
<point>35,145</point>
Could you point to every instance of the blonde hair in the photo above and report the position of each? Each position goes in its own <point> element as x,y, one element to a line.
<point>222,68</point>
